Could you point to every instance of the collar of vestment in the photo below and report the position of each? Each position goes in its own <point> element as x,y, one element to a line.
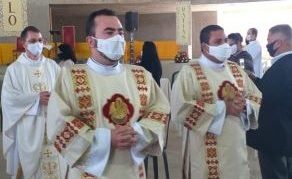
<point>205,62</point>
<point>104,69</point>
<point>24,59</point>
<point>276,58</point>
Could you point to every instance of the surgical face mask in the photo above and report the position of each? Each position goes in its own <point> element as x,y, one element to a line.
<point>233,49</point>
<point>221,52</point>
<point>270,48</point>
<point>113,48</point>
<point>35,48</point>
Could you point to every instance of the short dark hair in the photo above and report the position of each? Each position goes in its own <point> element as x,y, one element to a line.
<point>284,29</point>
<point>90,24</point>
<point>236,37</point>
<point>254,31</point>
<point>25,31</point>
<point>206,31</point>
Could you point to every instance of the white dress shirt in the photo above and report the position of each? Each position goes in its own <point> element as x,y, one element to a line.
<point>255,50</point>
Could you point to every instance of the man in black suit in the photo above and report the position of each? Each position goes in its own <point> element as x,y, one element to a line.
<point>273,138</point>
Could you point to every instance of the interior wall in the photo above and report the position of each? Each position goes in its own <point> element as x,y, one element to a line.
<point>199,21</point>
<point>78,22</point>
<point>156,27</point>
<point>151,27</point>
<point>38,10</point>
<point>38,15</point>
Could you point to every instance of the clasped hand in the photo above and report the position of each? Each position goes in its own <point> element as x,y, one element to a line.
<point>44,97</point>
<point>236,106</point>
<point>123,137</point>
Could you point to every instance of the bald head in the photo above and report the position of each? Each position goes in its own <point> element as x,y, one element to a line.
<point>279,39</point>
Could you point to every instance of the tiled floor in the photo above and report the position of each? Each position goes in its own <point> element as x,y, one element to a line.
<point>174,161</point>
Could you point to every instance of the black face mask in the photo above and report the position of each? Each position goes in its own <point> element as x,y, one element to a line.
<point>270,48</point>
<point>246,42</point>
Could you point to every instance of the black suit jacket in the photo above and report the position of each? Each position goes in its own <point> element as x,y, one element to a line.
<point>274,135</point>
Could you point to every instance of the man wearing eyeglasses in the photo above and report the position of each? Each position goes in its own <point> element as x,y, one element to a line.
<point>25,95</point>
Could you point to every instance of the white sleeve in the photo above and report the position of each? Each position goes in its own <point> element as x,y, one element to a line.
<point>98,153</point>
<point>246,115</point>
<point>34,109</point>
<point>253,50</point>
<point>218,121</point>
<point>137,155</point>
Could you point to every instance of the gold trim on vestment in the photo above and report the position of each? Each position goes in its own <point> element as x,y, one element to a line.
<point>84,103</point>
<point>140,78</point>
<point>210,139</point>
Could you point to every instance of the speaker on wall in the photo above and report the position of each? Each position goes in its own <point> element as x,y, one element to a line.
<point>131,21</point>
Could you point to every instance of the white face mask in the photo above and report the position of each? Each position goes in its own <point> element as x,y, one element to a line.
<point>35,48</point>
<point>248,37</point>
<point>233,49</point>
<point>221,52</point>
<point>113,48</point>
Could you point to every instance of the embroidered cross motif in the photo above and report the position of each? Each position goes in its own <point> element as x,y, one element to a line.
<point>47,153</point>
<point>37,73</point>
<point>50,168</point>
<point>38,87</point>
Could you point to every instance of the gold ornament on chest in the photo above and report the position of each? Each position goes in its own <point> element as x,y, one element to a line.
<point>227,91</point>
<point>37,73</point>
<point>118,110</point>
<point>38,87</point>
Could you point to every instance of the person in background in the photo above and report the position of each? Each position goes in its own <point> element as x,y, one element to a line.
<point>26,90</point>
<point>239,55</point>
<point>66,57</point>
<point>217,103</point>
<point>273,138</point>
<point>150,61</point>
<point>254,48</point>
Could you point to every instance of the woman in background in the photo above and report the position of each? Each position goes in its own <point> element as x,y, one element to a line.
<point>66,57</point>
<point>150,61</point>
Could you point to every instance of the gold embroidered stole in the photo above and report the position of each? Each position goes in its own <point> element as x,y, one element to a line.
<point>237,76</point>
<point>84,101</point>
<point>239,79</point>
<point>210,139</point>
<point>141,83</point>
<point>142,90</point>
<point>83,95</point>
<point>49,161</point>
<point>140,78</point>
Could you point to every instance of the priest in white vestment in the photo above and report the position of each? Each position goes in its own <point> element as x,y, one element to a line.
<point>104,117</point>
<point>25,94</point>
<point>217,103</point>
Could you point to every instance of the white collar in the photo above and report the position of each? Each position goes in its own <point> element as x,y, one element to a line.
<point>104,69</point>
<point>24,59</point>
<point>276,58</point>
<point>204,61</point>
